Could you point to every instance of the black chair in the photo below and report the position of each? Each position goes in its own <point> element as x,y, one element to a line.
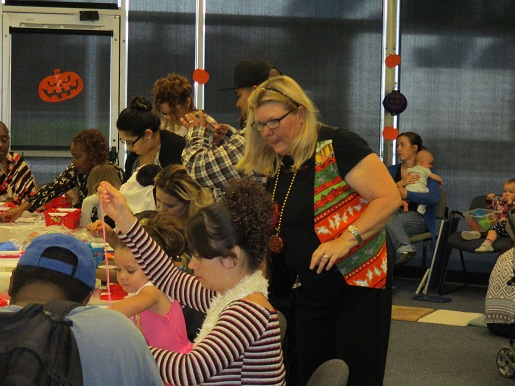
<point>442,211</point>
<point>333,372</point>
<point>283,324</point>
<point>454,240</point>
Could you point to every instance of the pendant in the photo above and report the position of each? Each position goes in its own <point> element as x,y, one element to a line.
<point>276,244</point>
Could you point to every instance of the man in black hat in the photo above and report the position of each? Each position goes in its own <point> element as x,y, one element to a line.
<point>213,166</point>
<point>248,74</point>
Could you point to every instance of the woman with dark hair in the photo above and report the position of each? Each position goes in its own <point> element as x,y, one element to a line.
<point>138,127</point>
<point>240,341</point>
<point>402,224</point>
<point>88,148</point>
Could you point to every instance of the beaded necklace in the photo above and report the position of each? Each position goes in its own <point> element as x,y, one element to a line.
<point>276,243</point>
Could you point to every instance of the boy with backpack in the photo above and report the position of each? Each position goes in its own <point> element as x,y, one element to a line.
<point>48,318</point>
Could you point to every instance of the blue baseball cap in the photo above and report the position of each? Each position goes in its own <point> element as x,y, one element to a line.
<point>85,270</point>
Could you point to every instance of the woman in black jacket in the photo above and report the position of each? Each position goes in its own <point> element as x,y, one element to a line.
<point>138,127</point>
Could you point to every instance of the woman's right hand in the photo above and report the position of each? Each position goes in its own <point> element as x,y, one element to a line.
<point>114,205</point>
<point>13,214</point>
<point>408,178</point>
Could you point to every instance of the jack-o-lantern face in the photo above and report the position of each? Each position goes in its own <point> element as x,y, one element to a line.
<point>60,86</point>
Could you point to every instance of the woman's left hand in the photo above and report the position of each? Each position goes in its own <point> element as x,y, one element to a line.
<point>328,253</point>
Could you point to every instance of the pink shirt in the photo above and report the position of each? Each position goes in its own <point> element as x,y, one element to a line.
<point>167,332</point>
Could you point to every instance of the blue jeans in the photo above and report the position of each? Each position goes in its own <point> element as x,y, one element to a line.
<point>399,229</point>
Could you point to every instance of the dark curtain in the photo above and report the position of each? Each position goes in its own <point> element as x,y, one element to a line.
<point>457,71</point>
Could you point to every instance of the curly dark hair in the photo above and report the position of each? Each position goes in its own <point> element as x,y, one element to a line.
<point>138,117</point>
<point>94,144</point>
<point>173,89</point>
<point>242,218</point>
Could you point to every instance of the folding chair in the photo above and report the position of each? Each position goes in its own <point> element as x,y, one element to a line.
<point>442,212</point>
<point>454,240</point>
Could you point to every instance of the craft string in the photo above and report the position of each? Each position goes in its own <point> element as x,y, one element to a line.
<point>109,301</point>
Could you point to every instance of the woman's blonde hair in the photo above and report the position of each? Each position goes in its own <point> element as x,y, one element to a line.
<point>258,156</point>
<point>175,181</point>
<point>103,172</point>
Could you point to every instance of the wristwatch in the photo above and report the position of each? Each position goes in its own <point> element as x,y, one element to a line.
<point>352,229</point>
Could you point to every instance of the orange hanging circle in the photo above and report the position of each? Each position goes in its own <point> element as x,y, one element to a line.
<point>200,76</point>
<point>390,133</point>
<point>392,60</point>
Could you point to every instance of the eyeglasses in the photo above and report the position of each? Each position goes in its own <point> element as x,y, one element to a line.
<point>132,143</point>
<point>272,124</point>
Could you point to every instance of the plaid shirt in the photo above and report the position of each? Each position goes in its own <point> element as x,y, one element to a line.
<point>209,165</point>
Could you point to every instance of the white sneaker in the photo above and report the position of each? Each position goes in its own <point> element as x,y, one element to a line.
<point>470,235</point>
<point>485,247</point>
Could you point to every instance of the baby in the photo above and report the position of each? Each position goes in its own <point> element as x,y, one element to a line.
<point>139,189</point>
<point>423,167</point>
<point>502,205</point>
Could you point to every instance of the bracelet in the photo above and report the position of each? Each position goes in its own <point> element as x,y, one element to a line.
<point>352,229</point>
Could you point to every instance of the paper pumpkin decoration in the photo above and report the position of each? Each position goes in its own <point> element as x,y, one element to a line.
<point>200,76</point>
<point>60,86</point>
<point>390,133</point>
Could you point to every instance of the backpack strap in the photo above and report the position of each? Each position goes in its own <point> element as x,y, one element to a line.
<point>61,308</point>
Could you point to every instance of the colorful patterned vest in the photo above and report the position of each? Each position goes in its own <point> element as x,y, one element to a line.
<point>337,206</point>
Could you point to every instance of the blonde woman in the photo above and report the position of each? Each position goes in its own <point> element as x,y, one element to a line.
<point>333,198</point>
<point>178,195</point>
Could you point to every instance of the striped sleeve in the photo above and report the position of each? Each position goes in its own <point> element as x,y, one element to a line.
<point>244,347</point>
<point>161,271</point>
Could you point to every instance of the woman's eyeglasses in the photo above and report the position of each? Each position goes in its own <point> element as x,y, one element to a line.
<point>272,124</point>
<point>132,143</point>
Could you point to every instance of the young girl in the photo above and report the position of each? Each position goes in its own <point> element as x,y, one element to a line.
<point>502,205</point>
<point>90,205</point>
<point>157,316</point>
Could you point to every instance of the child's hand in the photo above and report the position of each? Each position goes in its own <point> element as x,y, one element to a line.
<point>96,228</point>
<point>490,196</point>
